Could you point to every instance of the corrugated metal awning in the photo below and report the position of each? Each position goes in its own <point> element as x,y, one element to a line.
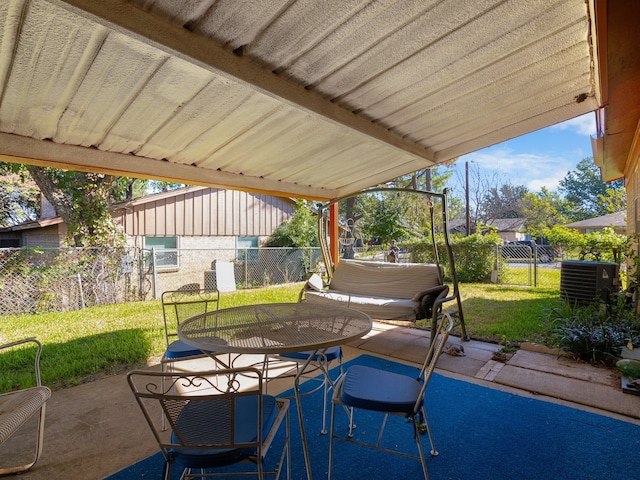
<point>302,98</point>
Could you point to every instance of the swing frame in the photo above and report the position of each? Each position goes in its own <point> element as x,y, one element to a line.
<point>330,264</point>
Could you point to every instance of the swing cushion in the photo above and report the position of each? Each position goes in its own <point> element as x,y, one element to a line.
<point>389,291</point>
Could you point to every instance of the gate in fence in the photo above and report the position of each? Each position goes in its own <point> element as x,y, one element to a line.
<point>527,263</point>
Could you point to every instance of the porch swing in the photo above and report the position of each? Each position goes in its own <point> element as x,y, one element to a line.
<point>385,290</point>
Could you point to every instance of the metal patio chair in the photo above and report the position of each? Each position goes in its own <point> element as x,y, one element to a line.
<point>177,306</point>
<point>215,421</point>
<point>392,393</point>
<point>18,406</point>
<point>321,361</point>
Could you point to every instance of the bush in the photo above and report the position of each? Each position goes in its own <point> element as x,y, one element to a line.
<point>596,333</point>
<point>475,256</point>
<point>474,262</point>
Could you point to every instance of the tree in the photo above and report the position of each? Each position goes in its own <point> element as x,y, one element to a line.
<point>587,195</point>
<point>476,187</point>
<point>81,199</point>
<point>542,211</point>
<point>503,202</point>
<point>396,215</point>
<point>387,220</point>
<point>433,179</point>
<point>300,231</point>
<point>19,198</point>
<point>614,199</point>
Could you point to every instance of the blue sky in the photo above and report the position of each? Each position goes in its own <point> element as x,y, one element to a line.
<point>539,159</point>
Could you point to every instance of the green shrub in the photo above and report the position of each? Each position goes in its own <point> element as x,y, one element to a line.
<point>474,262</point>
<point>596,333</point>
<point>475,256</point>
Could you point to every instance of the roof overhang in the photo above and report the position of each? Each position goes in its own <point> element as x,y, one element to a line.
<point>619,68</point>
<point>288,98</point>
<point>44,222</point>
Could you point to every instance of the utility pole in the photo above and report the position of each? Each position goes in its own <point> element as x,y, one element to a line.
<point>466,196</point>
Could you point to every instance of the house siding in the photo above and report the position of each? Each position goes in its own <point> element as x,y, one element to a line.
<point>202,217</point>
<point>202,212</point>
<point>45,237</point>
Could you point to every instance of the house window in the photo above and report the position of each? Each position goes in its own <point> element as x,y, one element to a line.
<point>247,249</point>
<point>10,243</point>
<point>166,249</point>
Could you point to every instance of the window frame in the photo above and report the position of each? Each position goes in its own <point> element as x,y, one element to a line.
<point>247,244</point>
<point>164,254</point>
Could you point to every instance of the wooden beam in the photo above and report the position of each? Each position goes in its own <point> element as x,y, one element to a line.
<point>45,153</point>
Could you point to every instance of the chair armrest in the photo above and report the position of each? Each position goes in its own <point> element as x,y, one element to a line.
<point>437,308</point>
<point>431,300</point>
<point>440,301</point>
<point>37,358</point>
<point>314,282</point>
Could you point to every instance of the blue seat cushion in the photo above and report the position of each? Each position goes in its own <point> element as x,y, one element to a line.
<point>245,430</point>
<point>179,349</point>
<point>379,390</point>
<point>331,354</point>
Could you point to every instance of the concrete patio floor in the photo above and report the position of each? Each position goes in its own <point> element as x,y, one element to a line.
<point>96,429</point>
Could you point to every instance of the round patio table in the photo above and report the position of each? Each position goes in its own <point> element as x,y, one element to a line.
<point>276,328</point>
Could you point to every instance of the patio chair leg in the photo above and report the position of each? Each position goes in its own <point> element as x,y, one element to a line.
<point>427,428</point>
<point>423,462</point>
<point>351,424</point>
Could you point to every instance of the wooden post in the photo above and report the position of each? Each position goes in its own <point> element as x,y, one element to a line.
<point>334,244</point>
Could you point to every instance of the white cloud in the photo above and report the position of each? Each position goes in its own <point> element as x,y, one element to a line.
<point>550,183</point>
<point>534,171</point>
<point>540,159</point>
<point>582,125</point>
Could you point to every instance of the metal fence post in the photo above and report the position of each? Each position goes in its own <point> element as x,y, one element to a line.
<point>246,268</point>
<point>140,252</point>
<point>79,279</point>
<point>155,273</point>
<point>535,265</point>
<point>495,273</point>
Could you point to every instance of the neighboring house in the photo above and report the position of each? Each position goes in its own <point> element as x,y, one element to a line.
<point>201,217</point>
<point>46,232</point>
<point>459,227</point>
<point>190,217</point>
<point>617,221</point>
<point>509,229</point>
<point>185,233</point>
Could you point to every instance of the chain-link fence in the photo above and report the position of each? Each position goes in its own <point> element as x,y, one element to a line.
<point>515,263</point>
<point>251,267</point>
<point>44,280</point>
<point>529,263</point>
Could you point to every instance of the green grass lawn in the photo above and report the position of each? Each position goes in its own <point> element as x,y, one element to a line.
<point>516,314</point>
<point>82,345</point>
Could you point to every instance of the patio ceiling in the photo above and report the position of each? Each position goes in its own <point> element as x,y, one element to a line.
<point>291,97</point>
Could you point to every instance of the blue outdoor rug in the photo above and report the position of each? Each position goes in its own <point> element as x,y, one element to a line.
<point>479,432</point>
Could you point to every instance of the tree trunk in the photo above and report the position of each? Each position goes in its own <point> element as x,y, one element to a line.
<point>90,221</point>
<point>52,193</point>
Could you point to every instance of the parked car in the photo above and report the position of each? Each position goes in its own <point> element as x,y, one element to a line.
<point>530,251</point>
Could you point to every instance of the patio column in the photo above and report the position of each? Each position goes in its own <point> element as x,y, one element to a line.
<point>334,244</point>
